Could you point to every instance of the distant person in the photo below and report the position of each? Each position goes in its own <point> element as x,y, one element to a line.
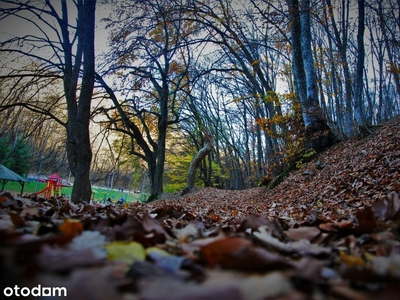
<point>109,201</point>
<point>121,201</point>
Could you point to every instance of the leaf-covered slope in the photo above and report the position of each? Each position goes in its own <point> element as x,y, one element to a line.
<point>349,175</point>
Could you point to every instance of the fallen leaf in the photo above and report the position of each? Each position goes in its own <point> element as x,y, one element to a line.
<point>71,228</point>
<point>254,222</point>
<point>152,226</point>
<point>387,265</point>
<point>90,240</point>
<point>63,260</point>
<point>187,233</point>
<point>351,260</point>
<point>346,292</point>
<point>7,200</point>
<point>5,221</point>
<point>169,263</point>
<point>30,212</point>
<point>302,247</point>
<point>257,259</point>
<point>306,233</point>
<point>221,251</point>
<point>125,251</point>
<point>166,288</point>
<point>272,284</point>
<point>96,283</point>
<point>17,220</point>
<point>309,268</point>
<point>365,221</point>
<point>387,208</point>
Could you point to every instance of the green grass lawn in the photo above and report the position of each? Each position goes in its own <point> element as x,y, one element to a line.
<point>99,194</point>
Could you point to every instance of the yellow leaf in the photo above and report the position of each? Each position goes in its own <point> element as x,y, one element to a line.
<point>125,251</point>
<point>369,256</point>
<point>351,260</point>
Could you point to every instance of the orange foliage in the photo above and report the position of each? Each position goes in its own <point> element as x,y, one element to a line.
<point>222,251</point>
<point>71,228</point>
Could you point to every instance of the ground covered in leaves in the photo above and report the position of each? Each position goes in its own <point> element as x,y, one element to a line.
<point>329,231</point>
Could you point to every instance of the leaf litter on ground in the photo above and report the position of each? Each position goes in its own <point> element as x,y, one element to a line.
<point>330,233</point>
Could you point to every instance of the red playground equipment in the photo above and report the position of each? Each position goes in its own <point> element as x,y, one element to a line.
<point>53,187</point>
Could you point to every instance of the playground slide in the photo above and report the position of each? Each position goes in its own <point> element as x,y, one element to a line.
<point>44,190</point>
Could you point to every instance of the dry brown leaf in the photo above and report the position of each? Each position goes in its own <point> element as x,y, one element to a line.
<point>306,233</point>
<point>302,247</point>
<point>222,250</point>
<point>17,220</point>
<point>30,211</point>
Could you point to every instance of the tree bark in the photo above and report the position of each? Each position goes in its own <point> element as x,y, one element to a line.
<point>71,47</point>
<point>203,152</point>
<point>299,76</point>
<point>79,151</point>
<point>156,166</point>
<point>317,133</point>
<point>358,91</point>
<point>342,48</point>
<point>386,38</point>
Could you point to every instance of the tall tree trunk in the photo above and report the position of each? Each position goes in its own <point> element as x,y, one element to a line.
<point>315,123</point>
<point>157,169</point>
<point>299,76</point>
<point>157,188</point>
<point>318,135</point>
<point>342,47</point>
<point>260,152</point>
<point>337,95</point>
<point>152,172</point>
<point>392,61</point>
<point>78,137</point>
<point>311,77</point>
<point>358,91</point>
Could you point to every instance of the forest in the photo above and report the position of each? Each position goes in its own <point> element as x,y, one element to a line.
<point>329,230</point>
<point>130,93</point>
<point>264,134</point>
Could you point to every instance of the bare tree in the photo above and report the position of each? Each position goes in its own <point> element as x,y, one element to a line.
<point>148,51</point>
<point>62,50</point>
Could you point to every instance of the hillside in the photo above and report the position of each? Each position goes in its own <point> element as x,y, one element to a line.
<point>353,174</point>
<point>329,231</point>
